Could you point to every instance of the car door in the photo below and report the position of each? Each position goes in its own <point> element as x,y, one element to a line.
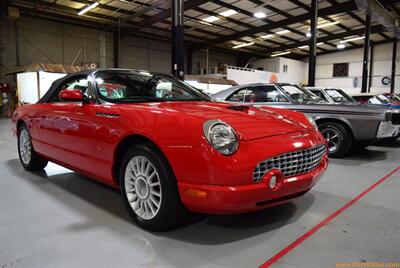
<point>66,129</point>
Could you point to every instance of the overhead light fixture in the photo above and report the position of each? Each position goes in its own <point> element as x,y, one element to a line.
<point>283,32</point>
<point>308,34</point>
<point>211,19</point>
<point>352,39</point>
<point>327,24</point>
<point>228,13</point>
<point>244,45</point>
<point>267,36</point>
<point>341,46</point>
<point>306,46</point>
<point>86,9</point>
<point>205,23</point>
<point>281,53</point>
<point>259,15</point>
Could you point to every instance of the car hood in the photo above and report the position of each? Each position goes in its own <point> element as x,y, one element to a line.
<point>335,108</point>
<point>250,123</point>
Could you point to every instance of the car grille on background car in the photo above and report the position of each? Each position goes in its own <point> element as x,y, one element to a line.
<point>291,164</point>
<point>396,118</point>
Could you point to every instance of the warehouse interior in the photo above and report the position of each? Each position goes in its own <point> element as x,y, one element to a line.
<point>60,217</point>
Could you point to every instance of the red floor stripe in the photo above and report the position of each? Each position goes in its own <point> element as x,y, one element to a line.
<point>301,239</point>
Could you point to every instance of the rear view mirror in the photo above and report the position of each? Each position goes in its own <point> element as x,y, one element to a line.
<point>72,95</point>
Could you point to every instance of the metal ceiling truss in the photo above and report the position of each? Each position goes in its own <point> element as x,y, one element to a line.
<point>122,17</point>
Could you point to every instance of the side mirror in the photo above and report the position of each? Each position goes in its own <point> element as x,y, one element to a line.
<point>72,95</point>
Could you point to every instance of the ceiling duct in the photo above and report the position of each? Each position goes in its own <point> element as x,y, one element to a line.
<point>380,14</point>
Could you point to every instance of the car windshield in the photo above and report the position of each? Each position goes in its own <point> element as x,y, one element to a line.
<point>383,99</point>
<point>301,95</point>
<point>144,87</point>
<point>339,96</point>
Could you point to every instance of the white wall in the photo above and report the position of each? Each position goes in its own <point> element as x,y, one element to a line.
<point>382,64</point>
<point>295,71</point>
<point>295,68</point>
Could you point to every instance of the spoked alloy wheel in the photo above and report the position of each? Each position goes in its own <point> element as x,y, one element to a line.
<point>338,137</point>
<point>149,188</point>
<point>25,146</point>
<point>333,137</point>
<point>143,187</point>
<point>30,160</point>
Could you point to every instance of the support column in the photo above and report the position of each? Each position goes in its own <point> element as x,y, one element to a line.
<point>393,76</point>
<point>312,43</point>
<point>189,61</point>
<point>364,81</point>
<point>371,65</point>
<point>117,44</point>
<point>177,41</point>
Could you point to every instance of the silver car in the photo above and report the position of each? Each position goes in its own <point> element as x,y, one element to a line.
<point>343,126</point>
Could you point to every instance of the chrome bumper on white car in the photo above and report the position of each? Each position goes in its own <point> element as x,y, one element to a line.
<point>387,130</point>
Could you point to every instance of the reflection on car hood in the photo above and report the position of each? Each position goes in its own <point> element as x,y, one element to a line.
<point>335,108</point>
<point>249,122</point>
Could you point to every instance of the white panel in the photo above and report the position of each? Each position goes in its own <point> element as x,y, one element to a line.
<point>27,87</point>
<point>247,76</point>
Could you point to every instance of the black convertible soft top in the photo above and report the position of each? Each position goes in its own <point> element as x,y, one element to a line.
<point>58,82</point>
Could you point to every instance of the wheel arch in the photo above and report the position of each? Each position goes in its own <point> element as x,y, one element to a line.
<point>20,122</point>
<point>124,145</point>
<point>344,123</point>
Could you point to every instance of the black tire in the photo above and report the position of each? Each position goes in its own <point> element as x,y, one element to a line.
<point>171,210</point>
<point>35,161</point>
<point>344,136</point>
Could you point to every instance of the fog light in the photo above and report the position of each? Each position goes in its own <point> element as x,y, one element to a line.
<point>272,182</point>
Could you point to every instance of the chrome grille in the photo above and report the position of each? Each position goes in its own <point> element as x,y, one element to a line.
<point>291,164</point>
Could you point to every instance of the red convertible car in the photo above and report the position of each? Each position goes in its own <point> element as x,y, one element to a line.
<point>168,147</point>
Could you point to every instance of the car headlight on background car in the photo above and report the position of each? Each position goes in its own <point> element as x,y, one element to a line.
<point>221,136</point>
<point>312,122</point>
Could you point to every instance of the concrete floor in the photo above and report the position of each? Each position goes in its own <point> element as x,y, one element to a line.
<point>60,219</point>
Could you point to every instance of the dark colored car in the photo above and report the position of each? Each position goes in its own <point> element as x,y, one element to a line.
<point>343,126</point>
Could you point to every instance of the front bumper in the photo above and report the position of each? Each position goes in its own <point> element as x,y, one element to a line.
<point>387,130</point>
<point>250,197</point>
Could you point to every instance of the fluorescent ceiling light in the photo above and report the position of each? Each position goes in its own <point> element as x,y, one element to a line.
<point>280,54</point>
<point>86,9</point>
<point>341,46</point>
<point>228,13</point>
<point>283,32</point>
<point>259,15</point>
<point>205,23</point>
<point>267,36</point>
<point>306,46</point>
<point>327,24</point>
<point>352,39</point>
<point>211,19</point>
<point>244,45</point>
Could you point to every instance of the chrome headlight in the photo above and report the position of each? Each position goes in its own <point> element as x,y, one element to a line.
<point>221,136</point>
<point>312,122</point>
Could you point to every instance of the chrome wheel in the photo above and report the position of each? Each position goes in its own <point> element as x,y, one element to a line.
<point>333,137</point>
<point>143,187</point>
<point>25,146</point>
